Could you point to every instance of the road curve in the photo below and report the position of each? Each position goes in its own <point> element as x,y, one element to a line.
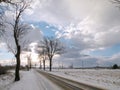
<point>67,84</point>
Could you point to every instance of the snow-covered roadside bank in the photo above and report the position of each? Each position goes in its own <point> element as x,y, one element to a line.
<point>6,80</point>
<point>109,79</point>
<point>27,82</point>
<point>30,80</point>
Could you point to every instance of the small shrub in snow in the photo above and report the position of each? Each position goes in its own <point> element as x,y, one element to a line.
<point>115,66</point>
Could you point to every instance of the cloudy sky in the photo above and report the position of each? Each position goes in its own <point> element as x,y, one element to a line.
<point>89,28</point>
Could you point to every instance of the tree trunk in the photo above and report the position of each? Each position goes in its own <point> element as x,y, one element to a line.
<point>27,66</point>
<point>30,65</point>
<point>50,69</point>
<point>44,65</point>
<point>40,65</point>
<point>17,76</point>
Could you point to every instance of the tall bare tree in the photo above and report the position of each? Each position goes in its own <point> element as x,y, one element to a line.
<point>52,46</point>
<point>29,61</point>
<point>19,30</point>
<point>43,56</point>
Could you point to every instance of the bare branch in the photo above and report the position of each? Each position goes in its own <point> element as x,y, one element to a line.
<point>51,46</point>
<point>7,1</point>
<point>9,46</point>
<point>117,2</point>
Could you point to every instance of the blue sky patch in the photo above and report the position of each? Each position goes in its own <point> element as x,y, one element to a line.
<point>107,51</point>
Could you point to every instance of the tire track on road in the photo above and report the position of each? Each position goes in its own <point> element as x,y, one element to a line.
<point>67,84</point>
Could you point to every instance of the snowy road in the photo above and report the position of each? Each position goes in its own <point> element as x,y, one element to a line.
<point>44,84</point>
<point>67,84</point>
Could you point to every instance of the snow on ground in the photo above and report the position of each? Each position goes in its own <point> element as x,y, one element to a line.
<point>105,78</point>
<point>6,80</point>
<point>30,80</point>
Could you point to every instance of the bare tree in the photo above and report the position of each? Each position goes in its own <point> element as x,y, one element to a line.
<point>29,61</point>
<point>19,30</point>
<point>52,46</point>
<point>44,57</point>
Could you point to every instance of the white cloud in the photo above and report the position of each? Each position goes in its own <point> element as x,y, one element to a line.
<point>89,35</point>
<point>60,12</point>
<point>88,22</point>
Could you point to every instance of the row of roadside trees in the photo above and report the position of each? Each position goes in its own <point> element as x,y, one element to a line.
<point>19,29</point>
<point>48,47</point>
<point>14,27</point>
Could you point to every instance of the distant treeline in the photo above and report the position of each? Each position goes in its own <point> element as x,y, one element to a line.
<point>115,66</point>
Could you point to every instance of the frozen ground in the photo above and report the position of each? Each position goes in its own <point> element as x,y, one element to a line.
<point>30,80</point>
<point>6,80</point>
<point>109,79</point>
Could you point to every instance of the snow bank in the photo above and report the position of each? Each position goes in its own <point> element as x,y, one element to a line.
<point>30,80</point>
<point>109,79</point>
<point>27,82</point>
<point>6,80</point>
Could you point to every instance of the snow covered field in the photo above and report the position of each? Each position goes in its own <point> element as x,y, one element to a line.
<point>32,80</point>
<point>105,78</point>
